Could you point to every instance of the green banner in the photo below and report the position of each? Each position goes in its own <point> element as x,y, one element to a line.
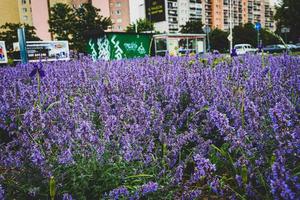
<point>115,46</point>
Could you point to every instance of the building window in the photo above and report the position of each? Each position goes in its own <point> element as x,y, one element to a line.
<point>119,27</point>
<point>23,1</point>
<point>24,10</point>
<point>118,12</point>
<point>25,18</point>
<point>118,4</point>
<point>119,20</point>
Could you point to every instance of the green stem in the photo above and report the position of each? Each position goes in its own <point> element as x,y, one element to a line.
<point>39,89</point>
<point>243,109</point>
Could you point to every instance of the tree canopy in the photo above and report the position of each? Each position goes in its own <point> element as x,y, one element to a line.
<point>77,25</point>
<point>218,40</point>
<point>247,34</point>
<point>192,26</point>
<point>141,25</point>
<point>288,15</point>
<point>9,33</point>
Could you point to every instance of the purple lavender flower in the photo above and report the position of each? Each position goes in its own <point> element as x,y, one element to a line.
<point>195,194</point>
<point>66,157</point>
<point>178,174</point>
<point>203,168</point>
<point>119,192</point>
<point>2,193</point>
<point>36,156</point>
<point>239,181</point>
<point>148,188</point>
<point>153,109</point>
<point>38,69</point>
<point>67,196</point>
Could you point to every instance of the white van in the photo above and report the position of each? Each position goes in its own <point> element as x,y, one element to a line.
<point>244,48</point>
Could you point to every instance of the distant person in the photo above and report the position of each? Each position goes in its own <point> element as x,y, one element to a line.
<point>233,52</point>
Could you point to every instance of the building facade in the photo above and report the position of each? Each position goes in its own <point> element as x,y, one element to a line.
<point>36,12</point>
<point>17,11</point>
<point>243,11</point>
<point>214,13</point>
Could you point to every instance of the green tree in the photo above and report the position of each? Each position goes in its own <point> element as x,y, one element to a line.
<point>89,23</point>
<point>268,38</point>
<point>192,26</point>
<point>288,15</point>
<point>9,33</point>
<point>245,34</point>
<point>218,40</point>
<point>62,21</point>
<point>141,25</point>
<point>77,25</point>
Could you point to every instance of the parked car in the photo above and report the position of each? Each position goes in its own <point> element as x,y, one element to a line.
<point>293,47</point>
<point>274,48</point>
<point>244,48</point>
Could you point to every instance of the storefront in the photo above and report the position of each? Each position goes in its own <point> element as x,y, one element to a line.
<point>179,44</point>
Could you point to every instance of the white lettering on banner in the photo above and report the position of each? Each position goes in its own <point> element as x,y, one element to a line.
<point>130,46</point>
<point>104,48</point>
<point>141,49</point>
<point>118,51</point>
<point>94,52</point>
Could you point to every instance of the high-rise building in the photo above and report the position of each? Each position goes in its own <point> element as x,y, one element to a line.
<point>215,13</point>
<point>36,12</point>
<point>243,11</point>
<point>15,12</point>
<point>177,13</point>
<point>119,14</point>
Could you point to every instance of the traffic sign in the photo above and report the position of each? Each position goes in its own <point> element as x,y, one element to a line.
<point>257,26</point>
<point>229,37</point>
<point>285,30</point>
<point>206,29</point>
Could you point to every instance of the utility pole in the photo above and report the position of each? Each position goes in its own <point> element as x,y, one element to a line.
<point>230,38</point>
<point>22,44</point>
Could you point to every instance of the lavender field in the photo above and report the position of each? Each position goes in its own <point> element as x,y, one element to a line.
<point>152,128</point>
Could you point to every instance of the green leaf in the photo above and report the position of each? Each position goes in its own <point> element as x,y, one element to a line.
<point>52,105</point>
<point>52,187</point>
<point>139,176</point>
<point>244,174</point>
<point>273,158</point>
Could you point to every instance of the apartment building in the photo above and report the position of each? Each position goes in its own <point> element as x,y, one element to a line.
<point>17,11</point>
<point>243,11</point>
<point>123,12</point>
<point>177,13</point>
<point>119,14</point>
<point>215,13</point>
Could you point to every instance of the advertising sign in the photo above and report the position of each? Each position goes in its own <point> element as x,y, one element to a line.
<point>46,50</point>
<point>3,55</point>
<point>115,46</point>
<point>155,10</point>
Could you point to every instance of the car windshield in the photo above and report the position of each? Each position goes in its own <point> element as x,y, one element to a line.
<point>239,47</point>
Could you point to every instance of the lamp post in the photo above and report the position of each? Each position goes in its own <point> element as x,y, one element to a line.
<point>206,29</point>
<point>258,27</point>
<point>230,26</point>
<point>22,43</point>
